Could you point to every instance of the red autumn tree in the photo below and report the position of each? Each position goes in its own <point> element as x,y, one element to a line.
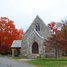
<point>58,41</point>
<point>8,33</point>
<point>55,26</point>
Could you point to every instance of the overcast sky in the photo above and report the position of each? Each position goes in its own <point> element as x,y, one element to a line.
<point>23,12</point>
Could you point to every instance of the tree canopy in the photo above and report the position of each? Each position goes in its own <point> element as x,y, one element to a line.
<point>8,33</point>
<point>58,41</point>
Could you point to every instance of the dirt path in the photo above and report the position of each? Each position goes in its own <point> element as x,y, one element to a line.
<point>6,62</point>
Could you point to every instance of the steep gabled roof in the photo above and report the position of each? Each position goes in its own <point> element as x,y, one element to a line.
<point>37,20</point>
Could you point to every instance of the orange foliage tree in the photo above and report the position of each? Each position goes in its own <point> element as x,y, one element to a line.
<point>8,33</point>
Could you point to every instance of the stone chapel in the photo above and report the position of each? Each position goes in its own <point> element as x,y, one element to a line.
<point>34,38</point>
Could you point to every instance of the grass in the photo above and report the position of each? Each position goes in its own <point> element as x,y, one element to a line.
<point>50,62</point>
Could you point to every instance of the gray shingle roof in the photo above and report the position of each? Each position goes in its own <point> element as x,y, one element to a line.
<point>16,44</point>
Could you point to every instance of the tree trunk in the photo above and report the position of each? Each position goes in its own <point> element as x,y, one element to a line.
<point>56,52</point>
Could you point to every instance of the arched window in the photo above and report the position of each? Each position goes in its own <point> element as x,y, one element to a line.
<point>37,27</point>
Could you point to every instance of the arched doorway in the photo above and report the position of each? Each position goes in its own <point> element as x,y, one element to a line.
<point>35,48</point>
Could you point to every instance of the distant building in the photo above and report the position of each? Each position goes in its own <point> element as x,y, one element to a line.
<point>33,42</point>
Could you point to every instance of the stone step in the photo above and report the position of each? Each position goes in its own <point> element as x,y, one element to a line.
<point>35,55</point>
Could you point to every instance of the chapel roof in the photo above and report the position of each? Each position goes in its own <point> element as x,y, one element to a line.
<point>16,44</point>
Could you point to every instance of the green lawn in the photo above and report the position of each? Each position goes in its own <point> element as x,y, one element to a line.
<point>50,62</point>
